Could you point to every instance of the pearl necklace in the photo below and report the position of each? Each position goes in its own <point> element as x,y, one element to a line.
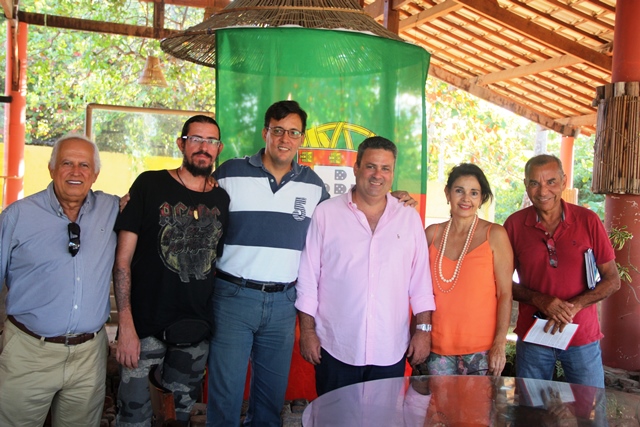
<point>440,255</point>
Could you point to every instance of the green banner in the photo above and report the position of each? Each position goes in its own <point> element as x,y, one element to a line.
<point>352,85</point>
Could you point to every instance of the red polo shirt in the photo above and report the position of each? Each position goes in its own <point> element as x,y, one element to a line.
<point>579,230</point>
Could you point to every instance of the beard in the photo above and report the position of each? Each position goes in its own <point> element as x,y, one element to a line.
<point>196,170</point>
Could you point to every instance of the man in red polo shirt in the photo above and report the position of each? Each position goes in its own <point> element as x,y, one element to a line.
<point>549,241</point>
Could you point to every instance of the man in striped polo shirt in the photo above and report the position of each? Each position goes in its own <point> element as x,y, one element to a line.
<point>272,200</point>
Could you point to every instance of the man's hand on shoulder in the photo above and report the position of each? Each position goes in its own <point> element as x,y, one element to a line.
<point>124,200</point>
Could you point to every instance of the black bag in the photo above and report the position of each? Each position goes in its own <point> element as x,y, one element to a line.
<point>185,332</point>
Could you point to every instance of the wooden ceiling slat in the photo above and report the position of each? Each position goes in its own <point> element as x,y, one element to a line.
<point>450,46</point>
<point>491,10</point>
<point>560,22</point>
<point>580,14</point>
<point>601,5</point>
<point>504,102</point>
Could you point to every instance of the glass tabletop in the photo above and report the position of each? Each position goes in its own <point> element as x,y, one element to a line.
<point>471,401</point>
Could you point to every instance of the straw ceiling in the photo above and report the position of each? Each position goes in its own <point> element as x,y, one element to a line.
<point>541,59</point>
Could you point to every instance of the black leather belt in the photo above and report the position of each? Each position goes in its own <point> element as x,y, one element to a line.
<point>62,339</point>
<point>252,284</point>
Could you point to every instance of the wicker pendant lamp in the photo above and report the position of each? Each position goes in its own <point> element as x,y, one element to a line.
<point>197,44</point>
<point>152,73</point>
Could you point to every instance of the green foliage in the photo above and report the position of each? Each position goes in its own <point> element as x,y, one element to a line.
<point>462,128</point>
<point>619,237</point>
<point>465,129</point>
<point>582,174</point>
<point>69,69</point>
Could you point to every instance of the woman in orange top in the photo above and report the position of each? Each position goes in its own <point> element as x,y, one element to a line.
<point>471,267</point>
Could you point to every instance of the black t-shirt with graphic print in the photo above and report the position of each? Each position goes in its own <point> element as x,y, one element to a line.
<point>173,265</point>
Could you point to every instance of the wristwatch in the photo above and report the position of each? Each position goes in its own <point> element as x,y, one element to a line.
<point>424,327</point>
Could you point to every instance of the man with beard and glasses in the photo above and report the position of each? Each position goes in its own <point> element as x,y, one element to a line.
<point>169,237</point>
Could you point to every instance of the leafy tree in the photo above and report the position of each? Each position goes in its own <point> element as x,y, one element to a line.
<point>69,69</point>
<point>463,128</point>
<point>583,174</point>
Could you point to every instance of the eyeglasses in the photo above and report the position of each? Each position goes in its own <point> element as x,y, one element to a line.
<point>553,255</point>
<point>74,238</point>
<point>196,140</point>
<point>278,131</point>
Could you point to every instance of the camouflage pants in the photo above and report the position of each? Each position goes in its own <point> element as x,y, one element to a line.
<point>182,373</point>
<point>466,364</point>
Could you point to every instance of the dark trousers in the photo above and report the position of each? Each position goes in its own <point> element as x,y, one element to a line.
<point>332,373</point>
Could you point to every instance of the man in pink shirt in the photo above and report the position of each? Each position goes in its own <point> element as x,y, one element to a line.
<point>364,266</point>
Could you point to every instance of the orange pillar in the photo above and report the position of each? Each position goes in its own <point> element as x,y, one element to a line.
<point>621,311</point>
<point>15,112</point>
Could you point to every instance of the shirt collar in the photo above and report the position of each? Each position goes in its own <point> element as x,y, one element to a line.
<point>388,207</point>
<point>57,208</point>
<point>256,161</point>
<point>567,215</point>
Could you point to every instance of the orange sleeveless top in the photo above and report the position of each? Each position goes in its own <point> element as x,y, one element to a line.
<point>464,321</point>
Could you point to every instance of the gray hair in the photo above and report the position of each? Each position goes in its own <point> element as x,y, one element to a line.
<point>68,136</point>
<point>541,160</point>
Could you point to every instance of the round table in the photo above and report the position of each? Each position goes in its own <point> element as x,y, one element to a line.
<point>470,401</point>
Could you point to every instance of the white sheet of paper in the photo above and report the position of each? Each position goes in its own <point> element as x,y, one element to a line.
<point>560,340</point>
<point>534,389</point>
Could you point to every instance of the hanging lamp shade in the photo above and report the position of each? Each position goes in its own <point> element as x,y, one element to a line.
<point>198,43</point>
<point>152,73</point>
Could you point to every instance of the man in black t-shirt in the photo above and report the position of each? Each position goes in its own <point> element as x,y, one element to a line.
<point>169,237</point>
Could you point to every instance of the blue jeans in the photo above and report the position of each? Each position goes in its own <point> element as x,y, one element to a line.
<point>581,364</point>
<point>249,323</point>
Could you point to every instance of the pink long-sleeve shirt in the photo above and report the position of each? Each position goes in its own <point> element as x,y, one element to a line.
<point>360,285</point>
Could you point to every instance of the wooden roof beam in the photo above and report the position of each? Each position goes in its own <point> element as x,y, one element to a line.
<point>492,10</point>
<point>586,120</point>
<point>93,26</point>
<point>188,3</point>
<point>509,104</point>
<point>430,14</point>
<point>525,70</point>
<point>8,8</point>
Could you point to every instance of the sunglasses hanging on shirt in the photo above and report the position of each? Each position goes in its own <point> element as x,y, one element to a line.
<point>74,238</point>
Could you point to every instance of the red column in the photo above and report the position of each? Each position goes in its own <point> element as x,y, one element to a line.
<point>15,113</point>
<point>621,311</point>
